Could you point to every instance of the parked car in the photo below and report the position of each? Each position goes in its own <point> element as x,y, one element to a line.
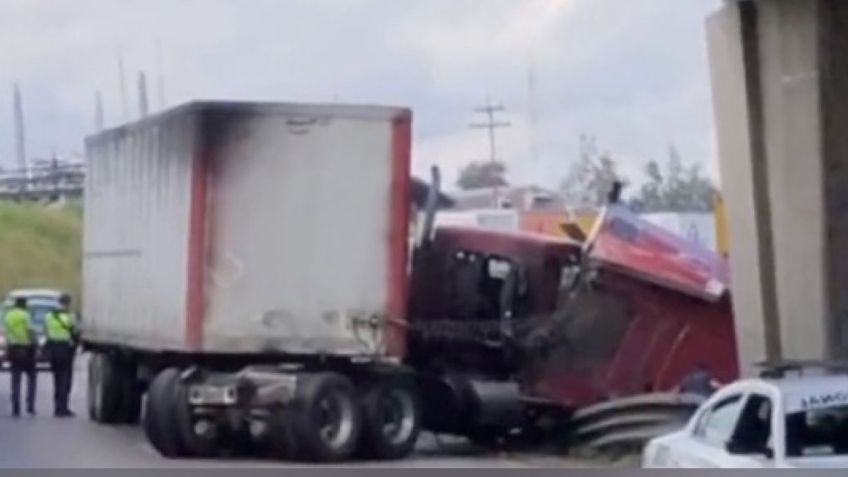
<point>780,421</point>
<point>39,302</point>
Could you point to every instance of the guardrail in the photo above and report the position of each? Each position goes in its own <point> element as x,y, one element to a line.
<point>632,421</point>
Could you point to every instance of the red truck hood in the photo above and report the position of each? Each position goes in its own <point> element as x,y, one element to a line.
<point>629,244</point>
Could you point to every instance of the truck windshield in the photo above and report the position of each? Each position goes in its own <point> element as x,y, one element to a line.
<point>817,432</point>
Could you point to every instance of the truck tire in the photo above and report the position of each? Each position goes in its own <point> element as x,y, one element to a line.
<point>391,410</point>
<point>159,413</point>
<point>104,389</point>
<point>130,405</point>
<point>193,443</point>
<point>324,420</point>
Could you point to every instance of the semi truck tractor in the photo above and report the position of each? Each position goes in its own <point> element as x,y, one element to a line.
<point>250,286</point>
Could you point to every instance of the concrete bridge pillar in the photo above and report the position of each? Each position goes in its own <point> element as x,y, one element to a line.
<point>780,88</point>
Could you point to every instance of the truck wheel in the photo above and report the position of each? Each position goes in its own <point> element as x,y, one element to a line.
<point>159,426</point>
<point>199,436</point>
<point>104,390</point>
<point>391,420</point>
<point>130,406</point>
<point>325,418</point>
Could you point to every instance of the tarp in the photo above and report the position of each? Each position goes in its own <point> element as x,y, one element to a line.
<point>697,227</point>
<point>637,246</point>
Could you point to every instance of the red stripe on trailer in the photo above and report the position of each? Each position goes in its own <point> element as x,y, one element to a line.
<point>398,235</point>
<point>196,253</point>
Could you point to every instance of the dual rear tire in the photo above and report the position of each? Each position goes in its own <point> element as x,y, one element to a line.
<point>328,420</point>
<point>114,394</point>
<point>169,423</point>
<point>331,420</point>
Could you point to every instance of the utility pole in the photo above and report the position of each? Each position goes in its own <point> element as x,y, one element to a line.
<point>491,124</point>
<point>122,80</point>
<point>160,74</point>
<point>20,134</point>
<point>531,109</point>
<point>142,95</point>
<point>98,111</point>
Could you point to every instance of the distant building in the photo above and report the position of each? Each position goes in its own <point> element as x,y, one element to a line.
<point>521,199</point>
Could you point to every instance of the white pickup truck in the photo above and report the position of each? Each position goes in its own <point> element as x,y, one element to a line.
<point>773,422</point>
<point>39,302</point>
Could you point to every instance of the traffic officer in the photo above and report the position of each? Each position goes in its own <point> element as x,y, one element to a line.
<point>21,346</point>
<point>61,332</point>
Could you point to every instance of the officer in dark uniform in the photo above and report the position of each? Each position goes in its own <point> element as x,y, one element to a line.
<point>21,344</point>
<point>61,333</point>
<point>699,381</point>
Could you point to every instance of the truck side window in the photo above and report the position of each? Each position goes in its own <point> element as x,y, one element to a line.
<point>717,425</point>
<point>753,433</point>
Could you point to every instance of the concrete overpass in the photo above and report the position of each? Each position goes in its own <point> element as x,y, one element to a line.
<point>780,84</point>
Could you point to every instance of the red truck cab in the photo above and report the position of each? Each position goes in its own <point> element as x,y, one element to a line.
<point>631,311</point>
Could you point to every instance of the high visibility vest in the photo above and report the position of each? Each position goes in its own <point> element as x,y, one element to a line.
<point>17,325</point>
<point>59,326</point>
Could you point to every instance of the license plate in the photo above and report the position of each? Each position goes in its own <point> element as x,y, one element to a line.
<point>212,395</point>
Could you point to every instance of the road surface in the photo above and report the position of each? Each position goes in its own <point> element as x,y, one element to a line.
<point>43,441</point>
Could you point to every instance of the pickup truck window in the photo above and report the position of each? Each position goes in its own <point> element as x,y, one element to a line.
<point>817,432</point>
<point>717,425</point>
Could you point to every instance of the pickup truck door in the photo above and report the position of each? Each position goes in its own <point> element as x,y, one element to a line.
<point>706,447</point>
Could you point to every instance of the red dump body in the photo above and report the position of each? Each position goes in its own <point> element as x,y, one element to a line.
<point>654,307</point>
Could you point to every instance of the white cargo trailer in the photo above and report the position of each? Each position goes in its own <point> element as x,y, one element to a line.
<point>223,239</point>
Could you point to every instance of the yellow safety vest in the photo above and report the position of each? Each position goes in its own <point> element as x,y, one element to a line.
<point>18,325</point>
<point>59,326</point>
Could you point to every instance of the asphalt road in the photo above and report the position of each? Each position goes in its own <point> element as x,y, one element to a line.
<point>46,442</point>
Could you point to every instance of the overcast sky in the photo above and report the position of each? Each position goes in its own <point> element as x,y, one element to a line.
<point>633,73</point>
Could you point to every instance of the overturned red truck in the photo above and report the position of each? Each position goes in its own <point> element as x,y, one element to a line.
<point>248,267</point>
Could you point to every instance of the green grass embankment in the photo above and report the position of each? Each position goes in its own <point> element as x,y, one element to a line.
<point>40,246</point>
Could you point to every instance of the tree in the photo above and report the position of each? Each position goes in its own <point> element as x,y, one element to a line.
<point>481,175</point>
<point>677,189</point>
<point>591,178</point>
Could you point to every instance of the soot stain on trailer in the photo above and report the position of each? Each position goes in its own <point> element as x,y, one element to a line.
<point>223,126</point>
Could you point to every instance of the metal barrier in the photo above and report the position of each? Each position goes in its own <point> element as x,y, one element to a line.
<point>632,421</point>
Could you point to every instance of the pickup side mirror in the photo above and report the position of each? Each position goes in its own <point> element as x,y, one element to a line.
<point>736,447</point>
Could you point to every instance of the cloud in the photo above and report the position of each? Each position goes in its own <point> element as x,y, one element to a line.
<point>631,73</point>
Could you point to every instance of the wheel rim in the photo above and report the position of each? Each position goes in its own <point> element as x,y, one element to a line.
<point>335,419</point>
<point>398,416</point>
